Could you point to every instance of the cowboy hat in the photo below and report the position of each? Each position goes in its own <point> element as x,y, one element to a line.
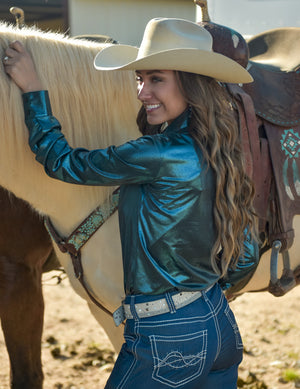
<point>173,44</point>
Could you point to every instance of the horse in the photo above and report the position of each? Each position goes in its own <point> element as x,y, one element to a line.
<point>72,95</point>
<point>26,251</point>
<point>96,109</point>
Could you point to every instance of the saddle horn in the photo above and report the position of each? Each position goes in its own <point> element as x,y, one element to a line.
<point>19,16</point>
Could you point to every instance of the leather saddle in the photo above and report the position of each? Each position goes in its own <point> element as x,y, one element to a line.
<point>268,112</point>
<point>274,63</point>
<point>271,141</point>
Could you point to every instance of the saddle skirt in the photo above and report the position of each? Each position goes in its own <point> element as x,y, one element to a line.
<point>276,94</point>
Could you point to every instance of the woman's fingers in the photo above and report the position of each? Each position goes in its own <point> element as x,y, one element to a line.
<point>13,50</point>
<point>19,66</point>
<point>17,46</point>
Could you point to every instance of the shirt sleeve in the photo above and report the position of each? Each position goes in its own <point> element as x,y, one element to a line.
<point>136,161</point>
<point>237,278</point>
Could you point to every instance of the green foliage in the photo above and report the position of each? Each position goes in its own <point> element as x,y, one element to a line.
<point>291,375</point>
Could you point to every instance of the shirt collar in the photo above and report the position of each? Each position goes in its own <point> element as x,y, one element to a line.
<point>181,122</point>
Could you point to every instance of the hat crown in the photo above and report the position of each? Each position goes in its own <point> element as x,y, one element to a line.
<point>162,34</point>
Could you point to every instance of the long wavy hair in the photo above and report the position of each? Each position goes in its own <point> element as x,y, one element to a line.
<point>214,127</point>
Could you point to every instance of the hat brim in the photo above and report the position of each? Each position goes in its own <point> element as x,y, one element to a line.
<point>207,63</point>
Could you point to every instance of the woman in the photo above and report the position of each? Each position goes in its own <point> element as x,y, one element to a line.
<point>185,202</point>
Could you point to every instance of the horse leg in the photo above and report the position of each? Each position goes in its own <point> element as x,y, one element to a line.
<point>21,312</point>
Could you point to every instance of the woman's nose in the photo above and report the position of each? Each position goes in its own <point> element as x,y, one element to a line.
<point>143,91</point>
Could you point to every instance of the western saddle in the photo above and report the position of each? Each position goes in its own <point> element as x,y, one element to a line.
<point>271,141</point>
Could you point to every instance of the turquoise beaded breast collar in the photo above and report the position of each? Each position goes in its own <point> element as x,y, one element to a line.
<point>77,239</point>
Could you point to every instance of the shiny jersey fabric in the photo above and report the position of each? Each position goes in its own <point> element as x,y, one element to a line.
<point>166,198</point>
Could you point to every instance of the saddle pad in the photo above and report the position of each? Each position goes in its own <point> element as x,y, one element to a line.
<point>284,145</point>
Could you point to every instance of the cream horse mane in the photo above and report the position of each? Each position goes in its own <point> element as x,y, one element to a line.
<point>96,109</point>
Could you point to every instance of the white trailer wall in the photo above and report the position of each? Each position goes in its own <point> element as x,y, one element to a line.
<point>123,20</point>
<point>250,17</point>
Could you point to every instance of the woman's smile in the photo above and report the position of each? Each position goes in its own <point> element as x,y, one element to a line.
<point>151,107</point>
<point>159,92</point>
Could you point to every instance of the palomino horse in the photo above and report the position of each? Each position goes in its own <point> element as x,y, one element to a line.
<point>96,109</point>
<point>78,94</point>
<point>24,243</point>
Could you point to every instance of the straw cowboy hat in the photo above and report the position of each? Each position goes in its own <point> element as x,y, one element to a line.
<point>173,44</point>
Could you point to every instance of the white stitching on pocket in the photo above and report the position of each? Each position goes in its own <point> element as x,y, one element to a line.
<point>178,359</point>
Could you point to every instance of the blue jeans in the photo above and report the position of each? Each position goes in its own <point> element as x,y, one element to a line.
<point>197,346</point>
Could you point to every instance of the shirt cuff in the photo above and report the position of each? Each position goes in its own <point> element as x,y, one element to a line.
<point>36,103</point>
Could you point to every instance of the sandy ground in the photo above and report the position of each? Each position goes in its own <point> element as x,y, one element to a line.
<point>77,354</point>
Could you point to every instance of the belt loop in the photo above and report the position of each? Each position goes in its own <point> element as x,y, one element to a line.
<point>205,291</point>
<point>204,295</point>
<point>170,303</point>
<point>132,308</point>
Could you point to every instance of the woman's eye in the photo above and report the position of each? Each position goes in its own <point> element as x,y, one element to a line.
<point>156,79</point>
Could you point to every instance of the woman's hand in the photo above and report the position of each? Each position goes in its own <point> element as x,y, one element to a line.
<point>19,66</point>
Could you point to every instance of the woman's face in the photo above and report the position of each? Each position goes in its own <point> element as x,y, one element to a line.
<point>159,92</point>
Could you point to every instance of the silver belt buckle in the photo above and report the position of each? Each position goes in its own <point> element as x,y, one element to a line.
<point>119,316</point>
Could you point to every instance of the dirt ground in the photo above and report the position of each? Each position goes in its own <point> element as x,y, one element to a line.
<point>77,354</point>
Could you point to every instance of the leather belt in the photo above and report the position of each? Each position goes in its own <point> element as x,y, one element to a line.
<point>156,307</point>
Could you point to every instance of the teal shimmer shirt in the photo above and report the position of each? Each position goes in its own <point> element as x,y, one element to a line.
<point>166,198</point>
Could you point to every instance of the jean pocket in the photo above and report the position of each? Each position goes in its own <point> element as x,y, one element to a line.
<point>180,359</point>
<point>230,316</point>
